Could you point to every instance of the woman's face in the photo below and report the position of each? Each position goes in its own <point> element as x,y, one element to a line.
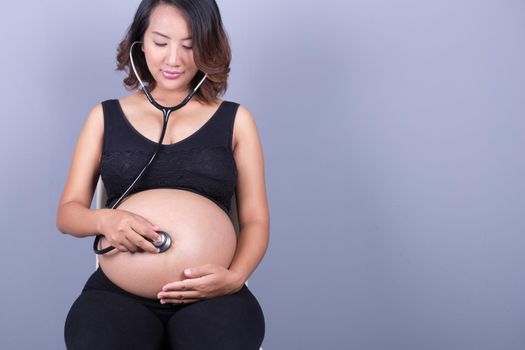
<point>168,49</point>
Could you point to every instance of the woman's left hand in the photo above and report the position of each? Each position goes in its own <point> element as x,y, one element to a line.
<point>203,282</point>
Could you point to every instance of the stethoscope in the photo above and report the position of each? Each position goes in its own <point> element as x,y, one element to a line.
<point>165,242</point>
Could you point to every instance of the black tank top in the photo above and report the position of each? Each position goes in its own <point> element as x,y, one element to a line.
<point>202,162</point>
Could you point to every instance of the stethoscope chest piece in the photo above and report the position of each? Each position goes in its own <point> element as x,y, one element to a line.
<point>165,242</point>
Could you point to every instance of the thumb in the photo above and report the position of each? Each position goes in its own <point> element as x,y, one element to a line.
<point>197,271</point>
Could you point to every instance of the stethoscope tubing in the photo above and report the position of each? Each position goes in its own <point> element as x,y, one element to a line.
<point>166,111</point>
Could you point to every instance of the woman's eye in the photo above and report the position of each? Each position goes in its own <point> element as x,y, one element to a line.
<point>186,47</point>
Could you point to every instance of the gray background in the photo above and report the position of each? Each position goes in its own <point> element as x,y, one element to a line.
<point>393,134</point>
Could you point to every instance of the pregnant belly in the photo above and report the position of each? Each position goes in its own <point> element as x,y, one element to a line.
<point>201,233</point>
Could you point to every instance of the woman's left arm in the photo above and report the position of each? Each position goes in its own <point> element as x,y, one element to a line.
<point>211,280</point>
<point>252,203</point>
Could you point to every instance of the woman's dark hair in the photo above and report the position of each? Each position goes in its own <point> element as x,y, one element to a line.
<point>211,48</point>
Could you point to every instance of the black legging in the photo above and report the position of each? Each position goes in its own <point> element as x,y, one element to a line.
<point>106,316</point>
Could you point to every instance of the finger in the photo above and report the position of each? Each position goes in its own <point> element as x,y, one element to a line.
<point>122,248</point>
<point>133,239</point>
<point>179,295</point>
<point>177,301</point>
<point>147,229</point>
<point>139,241</point>
<point>142,242</point>
<point>118,246</point>
<point>186,284</point>
<point>129,244</point>
<point>201,271</point>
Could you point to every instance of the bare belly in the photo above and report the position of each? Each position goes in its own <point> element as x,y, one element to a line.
<point>201,233</point>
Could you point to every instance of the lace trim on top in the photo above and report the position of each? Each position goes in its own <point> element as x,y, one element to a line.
<point>202,163</point>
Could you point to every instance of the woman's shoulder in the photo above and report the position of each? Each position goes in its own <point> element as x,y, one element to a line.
<point>244,125</point>
<point>242,110</point>
<point>243,114</point>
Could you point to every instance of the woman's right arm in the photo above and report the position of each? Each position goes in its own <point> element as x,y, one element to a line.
<point>124,230</point>
<point>74,215</point>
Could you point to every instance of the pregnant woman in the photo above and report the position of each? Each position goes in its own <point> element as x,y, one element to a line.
<point>193,295</point>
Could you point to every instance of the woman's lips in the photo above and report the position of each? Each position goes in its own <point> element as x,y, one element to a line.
<point>170,75</point>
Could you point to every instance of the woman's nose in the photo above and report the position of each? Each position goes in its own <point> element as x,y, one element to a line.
<point>172,56</point>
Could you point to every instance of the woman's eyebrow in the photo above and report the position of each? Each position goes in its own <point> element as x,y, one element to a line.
<point>164,35</point>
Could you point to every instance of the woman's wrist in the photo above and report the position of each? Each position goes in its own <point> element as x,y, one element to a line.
<point>101,215</point>
<point>239,278</point>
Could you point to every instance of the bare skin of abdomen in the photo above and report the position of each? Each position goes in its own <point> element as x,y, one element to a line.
<point>201,233</point>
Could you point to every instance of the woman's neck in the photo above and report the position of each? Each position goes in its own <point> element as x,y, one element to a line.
<point>169,98</point>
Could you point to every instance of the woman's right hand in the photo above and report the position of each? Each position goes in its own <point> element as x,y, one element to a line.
<point>125,230</point>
